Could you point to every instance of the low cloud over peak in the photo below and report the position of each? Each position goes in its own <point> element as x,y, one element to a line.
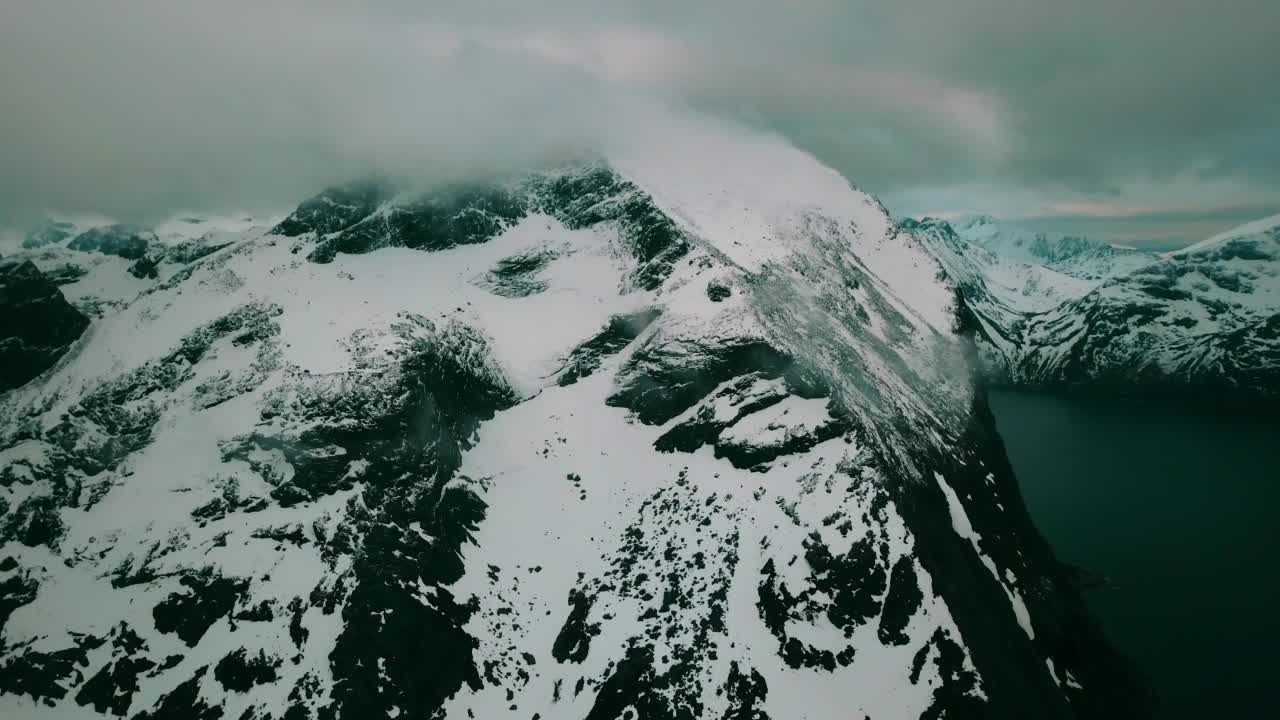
<point>140,107</point>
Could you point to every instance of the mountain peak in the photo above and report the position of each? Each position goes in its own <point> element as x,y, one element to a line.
<point>690,431</point>
<point>975,221</point>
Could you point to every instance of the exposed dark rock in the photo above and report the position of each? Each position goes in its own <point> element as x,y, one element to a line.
<point>663,380</point>
<point>291,534</point>
<point>1179,325</point>
<point>240,672</point>
<point>335,209</point>
<point>901,603</point>
<point>718,291</point>
<point>145,268</point>
<point>847,590</point>
<point>573,643</point>
<point>35,521</point>
<point>621,330</point>
<point>185,253</point>
<point>682,601</point>
<point>750,452</point>
<point>407,525</point>
<point>46,675</point>
<point>262,612</point>
<point>16,590</point>
<point>517,276</point>
<point>854,582</point>
<point>65,274</point>
<point>297,632</point>
<point>367,462</point>
<point>445,218</point>
<point>595,195</point>
<point>746,692</point>
<point>631,686</point>
<point>206,599</point>
<point>955,696</point>
<point>37,324</point>
<point>362,217</point>
<point>747,394</point>
<point>112,688</point>
<point>127,241</point>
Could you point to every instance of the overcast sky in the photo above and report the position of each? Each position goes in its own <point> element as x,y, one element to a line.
<point>1139,120</point>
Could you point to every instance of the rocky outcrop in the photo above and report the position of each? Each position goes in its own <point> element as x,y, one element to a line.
<point>362,217</point>
<point>37,324</point>
<point>127,241</point>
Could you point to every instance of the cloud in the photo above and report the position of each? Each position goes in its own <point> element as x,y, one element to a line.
<point>139,107</point>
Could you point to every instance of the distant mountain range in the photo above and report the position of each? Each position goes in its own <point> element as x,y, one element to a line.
<point>1071,312</point>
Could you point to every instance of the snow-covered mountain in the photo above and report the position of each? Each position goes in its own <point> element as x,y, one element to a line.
<point>1079,257</point>
<point>1201,320</point>
<point>686,431</point>
<point>1205,319</point>
<point>999,293</point>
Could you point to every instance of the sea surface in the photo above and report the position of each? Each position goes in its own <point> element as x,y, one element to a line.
<point>1180,510</point>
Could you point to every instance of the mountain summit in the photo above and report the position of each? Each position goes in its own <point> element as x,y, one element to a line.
<point>689,430</point>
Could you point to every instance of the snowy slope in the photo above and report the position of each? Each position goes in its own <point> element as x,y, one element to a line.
<point>685,432</point>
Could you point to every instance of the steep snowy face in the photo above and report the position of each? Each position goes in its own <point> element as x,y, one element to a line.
<point>684,432</point>
<point>1206,318</point>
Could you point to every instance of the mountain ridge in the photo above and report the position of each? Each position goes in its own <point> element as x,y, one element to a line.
<point>1200,320</point>
<point>673,442</point>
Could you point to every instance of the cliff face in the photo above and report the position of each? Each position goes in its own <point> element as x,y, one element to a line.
<point>37,324</point>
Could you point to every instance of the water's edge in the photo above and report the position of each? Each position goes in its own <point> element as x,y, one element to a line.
<point>1175,506</point>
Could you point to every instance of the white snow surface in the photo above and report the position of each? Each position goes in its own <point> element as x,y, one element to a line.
<point>759,201</point>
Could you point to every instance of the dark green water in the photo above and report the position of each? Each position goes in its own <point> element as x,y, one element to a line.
<point>1181,511</point>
